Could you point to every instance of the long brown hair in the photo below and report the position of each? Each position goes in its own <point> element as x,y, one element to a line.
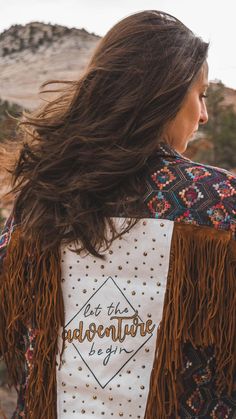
<point>84,153</point>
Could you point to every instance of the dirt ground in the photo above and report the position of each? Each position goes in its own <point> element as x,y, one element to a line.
<point>7,402</point>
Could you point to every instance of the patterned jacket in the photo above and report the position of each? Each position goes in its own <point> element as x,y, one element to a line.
<point>193,374</point>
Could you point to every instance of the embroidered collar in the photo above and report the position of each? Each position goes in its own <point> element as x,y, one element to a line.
<point>165,150</point>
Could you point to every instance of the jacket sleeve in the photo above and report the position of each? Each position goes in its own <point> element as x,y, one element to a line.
<point>5,237</point>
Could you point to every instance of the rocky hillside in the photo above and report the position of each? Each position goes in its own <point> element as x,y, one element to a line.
<point>230,97</point>
<point>33,35</point>
<point>37,52</point>
<point>34,53</point>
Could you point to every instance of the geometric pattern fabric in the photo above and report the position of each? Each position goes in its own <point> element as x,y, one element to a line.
<point>183,191</point>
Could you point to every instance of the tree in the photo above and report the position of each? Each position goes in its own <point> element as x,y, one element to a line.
<point>221,128</point>
<point>7,123</point>
<point>225,140</point>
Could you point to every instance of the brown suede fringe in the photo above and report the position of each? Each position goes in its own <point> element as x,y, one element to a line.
<point>31,296</point>
<point>199,308</point>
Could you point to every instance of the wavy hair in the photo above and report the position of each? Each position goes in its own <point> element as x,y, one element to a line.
<point>85,153</point>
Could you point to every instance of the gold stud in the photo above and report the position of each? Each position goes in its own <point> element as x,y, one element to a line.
<point>95,397</point>
<point>158,284</point>
<point>162,224</point>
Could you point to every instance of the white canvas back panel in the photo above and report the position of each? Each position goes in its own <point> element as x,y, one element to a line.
<point>112,311</point>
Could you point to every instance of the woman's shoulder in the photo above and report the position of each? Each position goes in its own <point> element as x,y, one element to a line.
<point>185,191</point>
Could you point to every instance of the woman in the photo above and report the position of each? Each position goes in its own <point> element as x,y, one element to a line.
<point>119,263</point>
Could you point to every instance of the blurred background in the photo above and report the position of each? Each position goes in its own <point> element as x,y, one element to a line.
<point>42,40</point>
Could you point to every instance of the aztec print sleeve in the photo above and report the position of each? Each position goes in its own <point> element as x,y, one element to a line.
<point>183,191</point>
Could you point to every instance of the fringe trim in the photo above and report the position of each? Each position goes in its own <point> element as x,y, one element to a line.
<point>32,297</point>
<point>199,308</point>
